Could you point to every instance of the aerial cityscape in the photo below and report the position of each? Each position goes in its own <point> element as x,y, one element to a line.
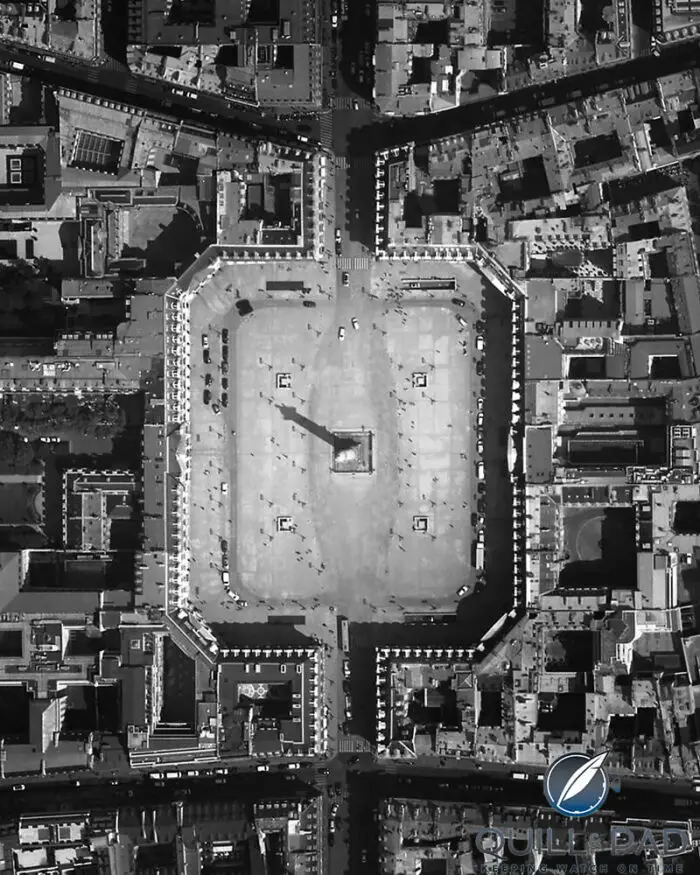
<point>349,437</point>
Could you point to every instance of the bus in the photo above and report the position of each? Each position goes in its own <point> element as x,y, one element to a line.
<point>344,635</point>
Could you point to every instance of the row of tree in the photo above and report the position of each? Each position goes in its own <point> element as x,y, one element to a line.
<point>99,416</point>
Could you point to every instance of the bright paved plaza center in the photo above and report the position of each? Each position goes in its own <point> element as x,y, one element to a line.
<point>294,527</point>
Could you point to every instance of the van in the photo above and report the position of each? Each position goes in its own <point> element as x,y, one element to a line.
<point>15,65</point>
<point>480,471</point>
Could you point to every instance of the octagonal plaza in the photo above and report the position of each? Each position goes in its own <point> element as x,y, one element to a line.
<point>261,480</point>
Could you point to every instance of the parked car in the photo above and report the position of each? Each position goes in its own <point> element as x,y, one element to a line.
<point>480,368</point>
<point>480,342</point>
<point>206,396</point>
<point>208,379</point>
<point>206,356</point>
<point>462,321</point>
<point>224,546</point>
<point>215,409</point>
<point>224,399</point>
<point>345,278</point>
<point>205,341</point>
<point>17,787</point>
<point>346,668</point>
<point>458,302</point>
<point>263,769</point>
<point>479,325</point>
<point>224,383</point>
<point>355,103</point>
<point>463,590</point>
<point>338,242</point>
<point>224,488</point>
<point>341,333</point>
<point>224,335</point>
<point>309,304</point>
<point>480,403</point>
<point>355,324</point>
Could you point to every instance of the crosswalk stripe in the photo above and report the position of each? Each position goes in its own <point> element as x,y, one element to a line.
<point>362,163</point>
<point>342,103</point>
<point>354,745</point>
<point>327,130</point>
<point>357,262</point>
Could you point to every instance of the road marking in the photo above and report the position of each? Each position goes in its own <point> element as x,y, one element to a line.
<point>357,262</point>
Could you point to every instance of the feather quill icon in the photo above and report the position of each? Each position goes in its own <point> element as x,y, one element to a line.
<point>582,777</point>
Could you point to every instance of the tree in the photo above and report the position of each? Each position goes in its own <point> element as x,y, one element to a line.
<point>26,294</point>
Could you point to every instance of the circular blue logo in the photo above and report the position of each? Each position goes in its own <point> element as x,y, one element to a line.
<point>576,785</point>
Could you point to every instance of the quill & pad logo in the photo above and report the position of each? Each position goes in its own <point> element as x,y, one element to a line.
<point>576,785</point>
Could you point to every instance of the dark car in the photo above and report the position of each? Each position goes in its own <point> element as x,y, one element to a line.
<point>224,367</point>
<point>224,546</point>
<point>206,397</point>
<point>458,302</point>
<point>206,355</point>
<point>475,520</point>
<point>224,399</point>
<point>480,325</point>
<point>324,771</point>
<point>308,303</point>
<point>480,368</point>
<point>224,335</point>
<point>224,354</point>
<point>244,307</point>
<point>224,383</point>
<point>208,379</point>
<point>353,761</point>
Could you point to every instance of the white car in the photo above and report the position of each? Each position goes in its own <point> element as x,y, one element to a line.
<point>346,668</point>
<point>178,91</point>
<point>355,324</point>
<point>263,769</point>
<point>334,20</point>
<point>18,787</point>
<point>480,403</point>
<point>479,419</point>
<point>293,766</point>
<point>15,65</point>
<point>355,104</point>
<point>480,447</point>
<point>341,333</point>
<point>480,342</point>
<point>224,488</point>
<point>462,322</point>
<point>463,590</point>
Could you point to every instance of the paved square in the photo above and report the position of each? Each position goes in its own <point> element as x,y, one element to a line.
<point>268,454</point>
